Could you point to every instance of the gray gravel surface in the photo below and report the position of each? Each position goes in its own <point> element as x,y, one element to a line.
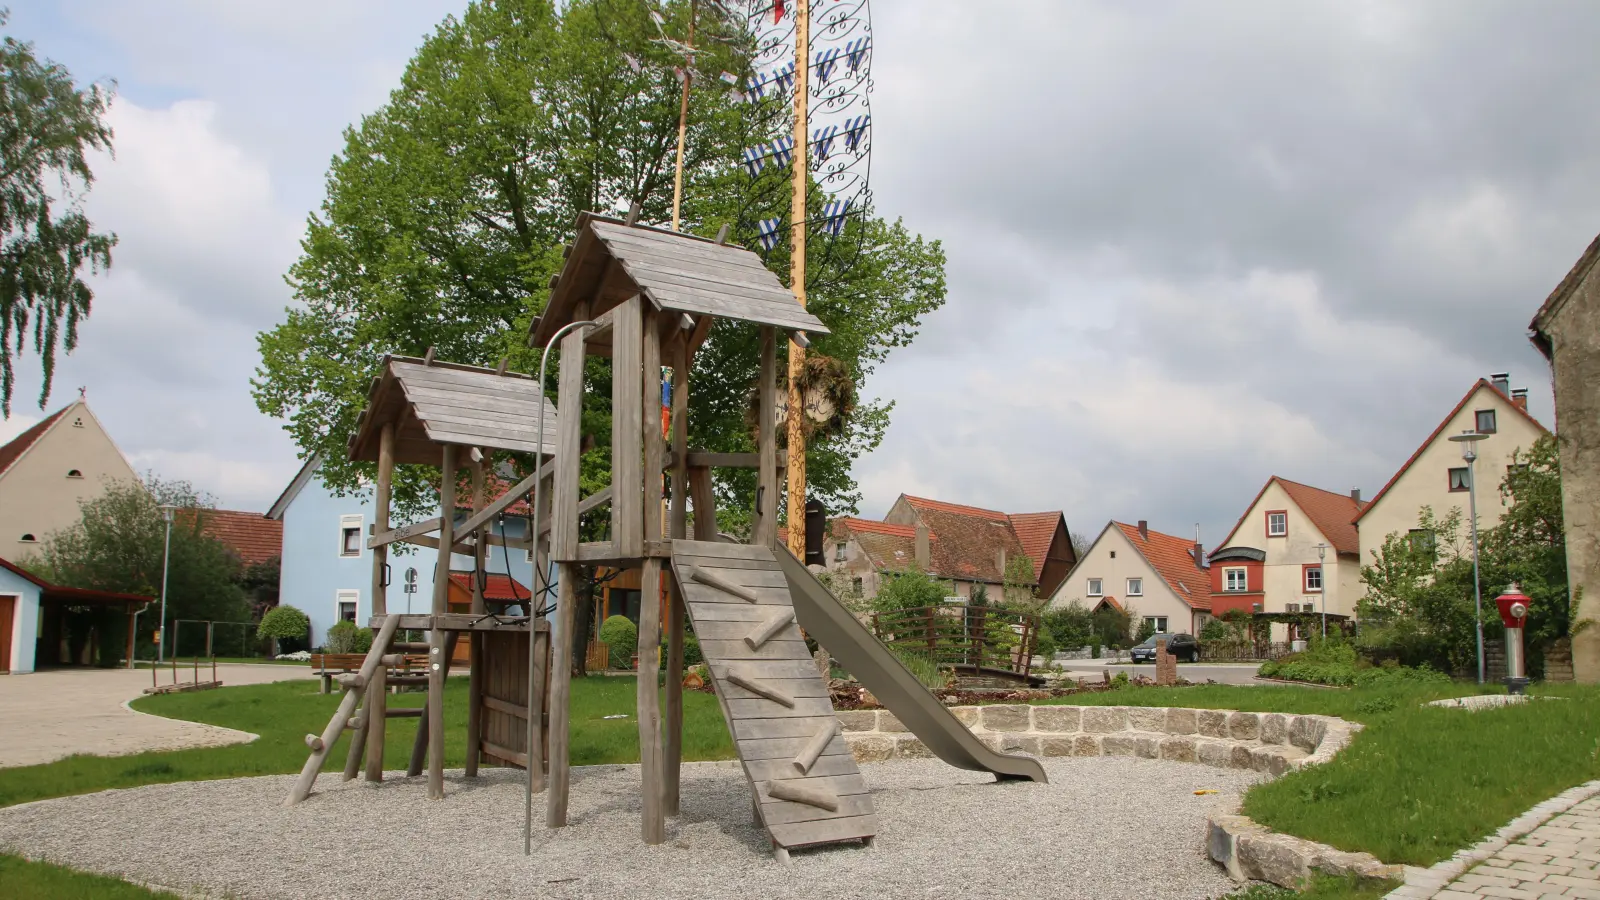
<point>1103,828</point>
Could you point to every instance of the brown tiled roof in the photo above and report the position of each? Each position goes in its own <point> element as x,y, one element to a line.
<point>1170,557</point>
<point>970,540</point>
<point>1480,384</point>
<point>494,487</point>
<point>252,536</point>
<point>19,445</point>
<point>1333,514</point>
<point>497,588</point>
<point>1035,531</point>
<point>889,547</point>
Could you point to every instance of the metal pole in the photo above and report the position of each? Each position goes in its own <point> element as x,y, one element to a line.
<point>1322,572</point>
<point>538,486</point>
<point>166,555</point>
<point>1477,589</point>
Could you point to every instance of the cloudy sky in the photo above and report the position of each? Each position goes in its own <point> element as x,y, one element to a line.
<point>1191,245</point>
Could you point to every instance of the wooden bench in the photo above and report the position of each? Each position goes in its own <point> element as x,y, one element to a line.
<point>327,665</point>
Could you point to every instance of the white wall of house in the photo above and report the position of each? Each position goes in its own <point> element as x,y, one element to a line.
<point>40,492</point>
<point>1113,561</point>
<point>1427,481</point>
<point>1288,555</point>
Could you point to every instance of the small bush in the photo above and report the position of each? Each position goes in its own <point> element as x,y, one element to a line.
<point>926,670</point>
<point>347,637</point>
<point>622,636</point>
<point>286,625</point>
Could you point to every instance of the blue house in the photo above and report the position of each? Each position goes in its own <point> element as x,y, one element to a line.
<point>327,568</point>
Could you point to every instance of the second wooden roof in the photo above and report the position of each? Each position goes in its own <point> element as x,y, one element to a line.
<point>438,403</point>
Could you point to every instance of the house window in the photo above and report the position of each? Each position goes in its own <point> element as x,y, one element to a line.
<point>1236,579</point>
<point>74,473</point>
<point>1485,421</point>
<point>838,553</point>
<point>28,539</point>
<point>1135,587</point>
<point>349,535</point>
<point>1277,523</point>
<point>347,605</point>
<point>1313,579</point>
<point>1159,623</point>
<point>1094,589</point>
<point>1458,479</point>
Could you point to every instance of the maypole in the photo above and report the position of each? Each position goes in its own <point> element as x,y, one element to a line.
<point>797,278</point>
<point>683,125</point>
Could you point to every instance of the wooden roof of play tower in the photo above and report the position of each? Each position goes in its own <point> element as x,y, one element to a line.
<point>681,273</point>
<point>433,403</point>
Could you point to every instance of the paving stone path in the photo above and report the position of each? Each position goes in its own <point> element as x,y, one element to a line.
<point>1560,858</point>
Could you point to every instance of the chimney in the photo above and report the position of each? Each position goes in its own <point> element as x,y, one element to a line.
<point>1144,530</point>
<point>1199,551</point>
<point>1355,494</point>
<point>924,553</point>
<point>1520,398</point>
<point>1501,381</point>
<point>1000,560</point>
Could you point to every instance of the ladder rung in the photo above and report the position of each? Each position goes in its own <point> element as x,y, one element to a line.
<point>403,680</point>
<point>404,712</point>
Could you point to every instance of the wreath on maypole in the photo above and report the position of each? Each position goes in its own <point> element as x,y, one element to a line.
<point>827,399</point>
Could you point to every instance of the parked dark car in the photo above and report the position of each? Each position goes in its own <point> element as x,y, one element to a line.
<point>1183,646</point>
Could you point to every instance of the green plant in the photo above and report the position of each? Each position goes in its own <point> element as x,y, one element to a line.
<point>1069,627</point>
<point>926,670</point>
<point>622,636</point>
<point>284,623</point>
<point>347,637</point>
<point>910,589</point>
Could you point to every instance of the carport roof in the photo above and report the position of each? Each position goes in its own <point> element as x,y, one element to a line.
<point>61,593</point>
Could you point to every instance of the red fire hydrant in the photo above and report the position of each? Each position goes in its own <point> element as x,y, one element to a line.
<point>1514,613</point>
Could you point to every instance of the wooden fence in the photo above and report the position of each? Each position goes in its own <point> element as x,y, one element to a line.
<point>975,639</point>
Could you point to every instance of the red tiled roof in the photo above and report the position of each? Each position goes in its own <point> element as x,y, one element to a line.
<point>1170,557</point>
<point>1479,385</point>
<point>1035,531</point>
<point>498,588</point>
<point>19,445</point>
<point>252,536</point>
<point>970,540</point>
<point>1332,513</point>
<point>845,524</point>
<point>923,503</point>
<point>494,487</point>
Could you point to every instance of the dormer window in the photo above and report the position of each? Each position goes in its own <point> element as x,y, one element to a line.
<point>29,539</point>
<point>74,473</point>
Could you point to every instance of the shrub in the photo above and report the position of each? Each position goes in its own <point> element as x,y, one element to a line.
<point>925,669</point>
<point>347,637</point>
<point>1333,661</point>
<point>622,636</point>
<point>1216,631</point>
<point>1068,627</point>
<point>285,624</point>
<point>911,589</point>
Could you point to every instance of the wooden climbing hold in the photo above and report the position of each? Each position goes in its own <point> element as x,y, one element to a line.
<point>712,579</point>
<point>755,686</point>
<point>771,627</point>
<point>799,791</point>
<point>814,747</point>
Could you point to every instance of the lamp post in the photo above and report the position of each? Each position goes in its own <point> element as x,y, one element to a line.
<point>167,511</point>
<point>1468,440</point>
<point>1322,575</point>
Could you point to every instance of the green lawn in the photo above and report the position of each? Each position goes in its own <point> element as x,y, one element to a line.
<point>285,712</point>
<point>1418,783</point>
<point>42,881</point>
<point>1322,887</point>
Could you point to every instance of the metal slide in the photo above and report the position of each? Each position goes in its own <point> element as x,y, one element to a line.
<point>865,657</point>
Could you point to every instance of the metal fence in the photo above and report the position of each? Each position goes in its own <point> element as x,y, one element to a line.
<point>205,638</point>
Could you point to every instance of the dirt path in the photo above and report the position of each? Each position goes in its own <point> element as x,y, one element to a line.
<point>52,714</point>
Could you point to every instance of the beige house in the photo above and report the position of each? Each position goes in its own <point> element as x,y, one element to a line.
<point>1157,577</point>
<point>1567,331</point>
<point>46,470</point>
<point>1436,475</point>
<point>1293,550</point>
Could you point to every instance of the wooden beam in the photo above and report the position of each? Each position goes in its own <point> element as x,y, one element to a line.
<point>460,622</point>
<point>605,553</point>
<point>766,524</point>
<point>648,701</point>
<point>672,719</point>
<point>385,535</point>
<point>475,642</point>
<point>564,493</point>
<point>347,706</point>
<point>705,504</point>
<point>559,783</point>
<point>380,518</point>
<point>655,445</point>
<point>564,542</point>
<point>627,477</point>
<point>437,660</point>
<point>519,490</point>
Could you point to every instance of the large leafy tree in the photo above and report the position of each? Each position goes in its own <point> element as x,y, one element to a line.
<point>447,210</point>
<point>48,127</point>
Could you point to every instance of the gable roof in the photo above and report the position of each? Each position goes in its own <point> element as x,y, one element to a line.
<point>432,403</point>
<point>1333,514</point>
<point>1558,297</point>
<point>298,483</point>
<point>888,547</point>
<point>20,444</point>
<point>1170,557</point>
<point>252,536</point>
<point>970,540</point>
<point>497,588</point>
<point>1479,385</point>
<point>1036,531</point>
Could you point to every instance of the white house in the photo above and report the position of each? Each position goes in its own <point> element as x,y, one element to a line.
<point>1159,578</point>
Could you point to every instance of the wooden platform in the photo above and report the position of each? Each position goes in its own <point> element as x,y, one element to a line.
<point>775,700</point>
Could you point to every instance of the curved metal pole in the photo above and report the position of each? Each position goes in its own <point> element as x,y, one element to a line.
<point>538,485</point>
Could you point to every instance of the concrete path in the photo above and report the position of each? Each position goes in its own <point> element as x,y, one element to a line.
<point>48,715</point>
<point>1224,673</point>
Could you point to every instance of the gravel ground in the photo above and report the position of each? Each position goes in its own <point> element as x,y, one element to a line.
<point>1104,828</point>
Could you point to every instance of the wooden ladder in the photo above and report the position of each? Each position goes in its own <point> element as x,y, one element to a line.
<point>355,686</point>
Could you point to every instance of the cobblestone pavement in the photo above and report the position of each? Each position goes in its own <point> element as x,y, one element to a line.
<point>1560,858</point>
<point>47,715</point>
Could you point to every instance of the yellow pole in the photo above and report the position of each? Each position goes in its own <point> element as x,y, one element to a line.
<point>797,277</point>
<point>683,125</point>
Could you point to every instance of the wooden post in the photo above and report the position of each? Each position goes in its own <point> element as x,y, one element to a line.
<point>564,546</point>
<point>377,702</point>
<point>680,438</point>
<point>705,504</point>
<point>766,524</point>
<point>540,660</point>
<point>649,700</point>
<point>438,663</point>
<point>797,276</point>
<point>672,722</point>
<point>475,642</point>
<point>627,482</point>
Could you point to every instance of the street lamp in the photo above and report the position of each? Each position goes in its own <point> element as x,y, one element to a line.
<point>167,511</point>
<point>1468,440</point>
<point>1322,574</point>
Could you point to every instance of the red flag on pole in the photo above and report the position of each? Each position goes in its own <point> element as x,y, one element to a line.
<point>777,11</point>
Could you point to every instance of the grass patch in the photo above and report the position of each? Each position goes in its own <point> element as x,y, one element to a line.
<point>1322,887</point>
<point>44,881</point>
<point>1419,782</point>
<point>283,713</point>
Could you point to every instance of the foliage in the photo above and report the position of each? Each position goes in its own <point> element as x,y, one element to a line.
<point>1068,627</point>
<point>119,544</point>
<point>1215,630</point>
<point>1333,661</point>
<point>842,585</point>
<point>1020,583</point>
<point>48,128</point>
<point>1147,629</point>
<point>910,589</point>
<point>622,636</point>
<point>980,596</point>
<point>1112,626</point>
<point>260,581</point>
<point>447,210</point>
<point>284,623</point>
<point>347,637</point>
<point>924,669</point>
<point>1419,605</point>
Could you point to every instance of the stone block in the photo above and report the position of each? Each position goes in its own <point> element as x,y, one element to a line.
<point>1246,851</point>
<point>966,715</point>
<point>1240,757</point>
<point>1117,745</point>
<point>1269,759</point>
<point>1020,743</point>
<point>1057,719</point>
<point>908,747</point>
<point>871,747</point>
<point>1243,726</point>
<point>1147,747</point>
<point>1058,746</point>
<point>1274,728</point>
<point>1182,721</point>
<point>1277,858</point>
<point>887,721</point>
<point>1006,718</point>
<point>1213,722</point>
<point>1086,745</point>
<point>1105,719</point>
<point>1179,749</point>
<point>1147,718</point>
<point>858,719</point>
<point>1214,753</point>
<point>1306,732</point>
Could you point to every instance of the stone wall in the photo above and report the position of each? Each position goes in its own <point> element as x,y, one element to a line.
<point>1267,742</point>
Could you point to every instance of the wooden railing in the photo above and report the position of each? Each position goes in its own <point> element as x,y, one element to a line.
<point>963,638</point>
